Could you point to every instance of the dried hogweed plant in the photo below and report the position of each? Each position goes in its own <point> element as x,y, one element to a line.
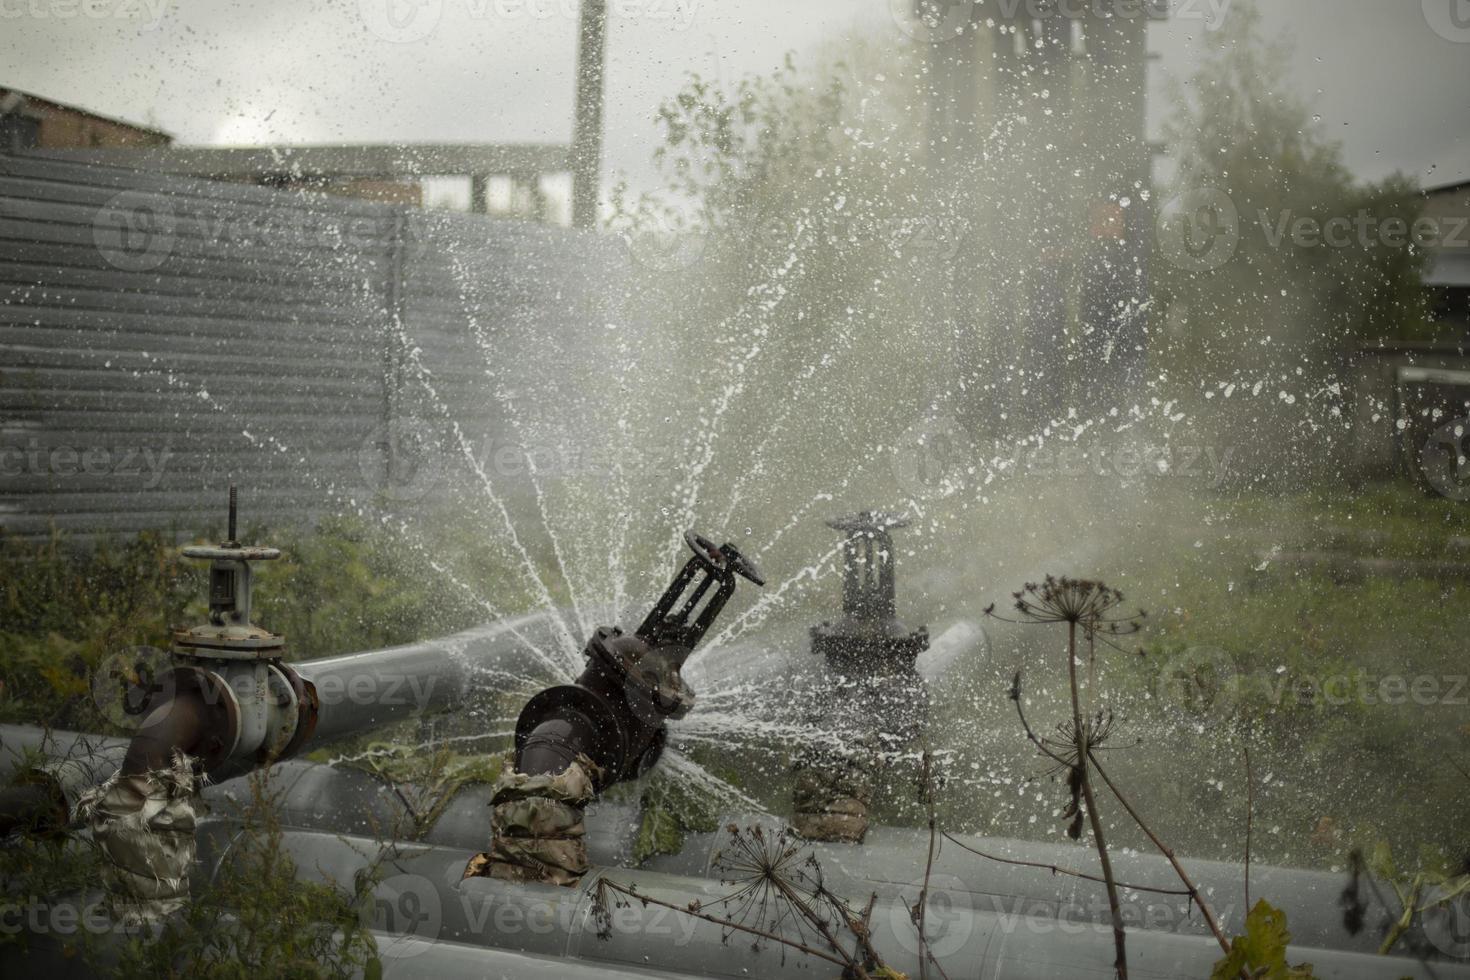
<point>1093,614</point>
<point>1093,610</point>
<point>779,897</point>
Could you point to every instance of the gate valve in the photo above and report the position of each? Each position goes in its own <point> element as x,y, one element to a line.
<point>615,712</point>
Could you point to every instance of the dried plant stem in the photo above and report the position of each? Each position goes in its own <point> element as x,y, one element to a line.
<point>1059,870</point>
<point>1168,852</point>
<point>926,955</point>
<point>730,924</point>
<point>1250,810</point>
<point>1115,908</point>
<point>816,921</point>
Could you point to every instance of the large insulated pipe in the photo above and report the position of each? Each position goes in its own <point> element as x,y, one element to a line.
<point>347,800</point>
<point>359,692</point>
<point>421,897</point>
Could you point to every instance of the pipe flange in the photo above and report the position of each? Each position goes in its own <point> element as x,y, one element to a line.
<point>611,752</point>
<point>219,740</point>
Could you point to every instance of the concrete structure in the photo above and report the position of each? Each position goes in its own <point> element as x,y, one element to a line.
<point>384,173</point>
<point>28,121</point>
<point>1448,273</point>
<point>1037,118</point>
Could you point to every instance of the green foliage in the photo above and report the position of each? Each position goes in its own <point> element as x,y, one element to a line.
<point>342,586</point>
<point>426,780</point>
<point>658,833</point>
<point>61,615</point>
<point>256,918</point>
<point>1261,952</point>
<point>812,298</point>
<point>1238,127</point>
<point>671,809</point>
<point>253,919</point>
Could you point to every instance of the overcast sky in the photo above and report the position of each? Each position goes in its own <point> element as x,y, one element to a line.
<point>1391,78</point>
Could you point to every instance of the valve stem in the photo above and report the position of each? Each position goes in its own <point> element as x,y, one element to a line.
<point>234,502</point>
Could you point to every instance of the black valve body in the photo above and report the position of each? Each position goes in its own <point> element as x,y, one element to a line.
<point>615,711</point>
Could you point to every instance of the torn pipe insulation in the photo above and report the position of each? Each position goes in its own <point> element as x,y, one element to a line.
<point>876,700</point>
<point>574,740</point>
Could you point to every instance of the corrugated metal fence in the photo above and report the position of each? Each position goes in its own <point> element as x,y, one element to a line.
<point>162,337</point>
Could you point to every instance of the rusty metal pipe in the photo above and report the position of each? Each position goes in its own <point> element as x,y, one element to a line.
<point>186,723</point>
